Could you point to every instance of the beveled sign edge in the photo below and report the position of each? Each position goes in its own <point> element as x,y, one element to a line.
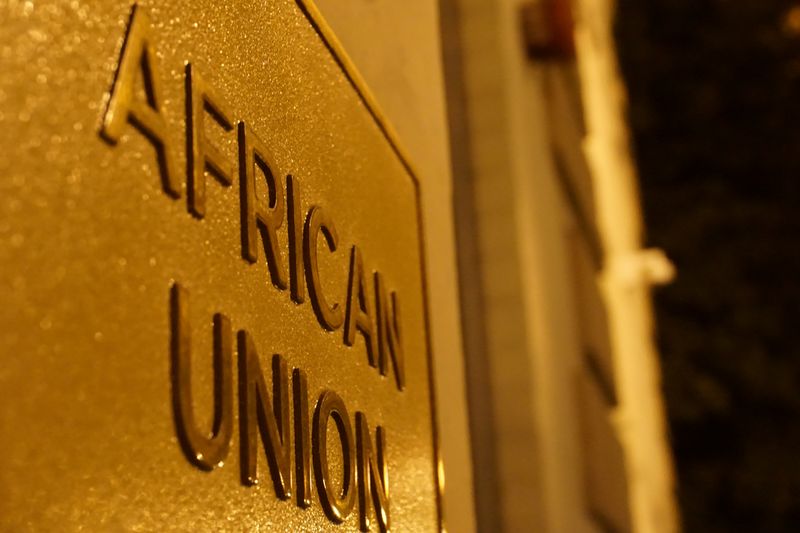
<point>351,72</point>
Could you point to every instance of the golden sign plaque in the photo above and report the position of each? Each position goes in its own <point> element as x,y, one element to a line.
<point>213,296</point>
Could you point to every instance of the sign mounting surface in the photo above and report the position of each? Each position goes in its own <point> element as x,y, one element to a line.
<point>215,309</point>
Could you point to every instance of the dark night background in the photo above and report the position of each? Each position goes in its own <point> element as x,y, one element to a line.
<point>714,89</point>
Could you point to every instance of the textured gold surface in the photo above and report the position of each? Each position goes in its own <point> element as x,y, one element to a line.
<point>90,245</point>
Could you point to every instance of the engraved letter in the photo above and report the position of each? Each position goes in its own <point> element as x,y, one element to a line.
<point>202,99</point>
<point>359,312</point>
<point>302,446</point>
<point>205,451</point>
<point>389,332</point>
<point>138,55</point>
<point>317,221</point>
<point>295,217</point>
<point>256,409</point>
<point>254,155</point>
<point>373,474</point>
<point>336,506</point>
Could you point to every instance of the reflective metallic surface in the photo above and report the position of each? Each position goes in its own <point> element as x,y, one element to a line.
<point>147,224</point>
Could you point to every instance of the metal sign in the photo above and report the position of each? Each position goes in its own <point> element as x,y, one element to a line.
<point>213,297</point>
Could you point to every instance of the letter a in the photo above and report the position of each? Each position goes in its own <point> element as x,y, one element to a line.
<point>137,56</point>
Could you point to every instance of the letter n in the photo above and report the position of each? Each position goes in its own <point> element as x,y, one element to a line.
<point>258,414</point>
<point>373,474</point>
<point>389,332</point>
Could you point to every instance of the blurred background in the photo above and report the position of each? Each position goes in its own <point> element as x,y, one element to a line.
<point>644,155</point>
<point>714,108</point>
